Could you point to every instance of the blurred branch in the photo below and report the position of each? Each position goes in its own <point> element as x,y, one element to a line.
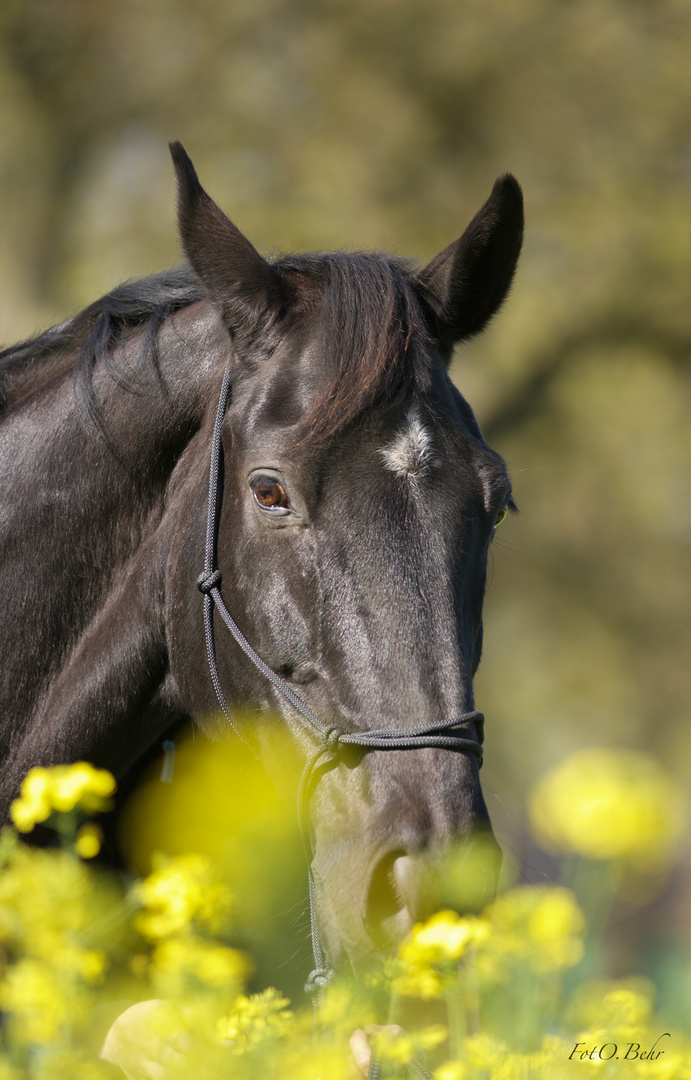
<point>532,394</point>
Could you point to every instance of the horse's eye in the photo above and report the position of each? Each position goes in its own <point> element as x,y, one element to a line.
<point>269,494</point>
<point>500,516</point>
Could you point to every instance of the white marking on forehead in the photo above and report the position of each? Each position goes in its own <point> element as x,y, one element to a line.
<point>411,452</point>
<point>488,488</point>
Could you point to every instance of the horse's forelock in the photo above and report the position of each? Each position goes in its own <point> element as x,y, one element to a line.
<point>373,329</point>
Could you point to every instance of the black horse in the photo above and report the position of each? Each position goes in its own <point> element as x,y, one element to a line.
<point>359,501</point>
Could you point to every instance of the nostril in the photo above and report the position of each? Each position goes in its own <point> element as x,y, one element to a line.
<point>406,887</point>
<point>386,906</point>
<point>406,873</point>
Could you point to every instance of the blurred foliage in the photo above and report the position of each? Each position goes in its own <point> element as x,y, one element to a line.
<point>383,124</point>
<point>222,805</point>
<point>511,992</point>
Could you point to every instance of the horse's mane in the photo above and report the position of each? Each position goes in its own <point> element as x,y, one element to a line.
<point>369,312</point>
<point>92,333</point>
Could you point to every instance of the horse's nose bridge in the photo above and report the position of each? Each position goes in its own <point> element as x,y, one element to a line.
<point>399,639</point>
<point>422,796</point>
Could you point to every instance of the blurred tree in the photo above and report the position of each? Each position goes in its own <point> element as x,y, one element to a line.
<point>384,124</point>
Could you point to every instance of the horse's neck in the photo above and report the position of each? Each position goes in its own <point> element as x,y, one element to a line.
<point>77,504</point>
<point>148,408</point>
<point>108,462</point>
<point>28,369</point>
<point>66,466</point>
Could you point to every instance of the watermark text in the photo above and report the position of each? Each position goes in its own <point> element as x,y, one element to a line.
<point>609,1051</point>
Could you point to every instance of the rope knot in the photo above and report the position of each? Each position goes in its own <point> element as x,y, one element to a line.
<point>332,739</point>
<point>208,580</point>
<point>318,979</point>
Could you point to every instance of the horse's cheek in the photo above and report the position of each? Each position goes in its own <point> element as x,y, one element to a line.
<point>183,611</point>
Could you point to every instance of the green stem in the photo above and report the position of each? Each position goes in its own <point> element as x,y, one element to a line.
<point>111,920</point>
<point>66,828</point>
<point>471,993</point>
<point>593,885</point>
<point>457,1020</point>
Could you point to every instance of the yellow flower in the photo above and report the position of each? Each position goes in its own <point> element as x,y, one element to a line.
<point>418,981</point>
<point>255,1019</point>
<point>39,1000</point>
<point>444,938</point>
<point>81,785</point>
<point>395,1046</point>
<point>88,842</point>
<point>609,805</point>
<point>49,904</point>
<point>182,892</point>
<point>432,951</point>
<point>61,788</point>
<point>34,803</point>
<point>625,1003</point>
<point>484,1052</point>
<point>537,925</point>
<point>487,1056</point>
<point>555,927</point>
<point>183,965</point>
<point>452,1070</point>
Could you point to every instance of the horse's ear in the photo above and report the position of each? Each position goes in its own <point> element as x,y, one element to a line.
<point>467,283</point>
<point>234,273</point>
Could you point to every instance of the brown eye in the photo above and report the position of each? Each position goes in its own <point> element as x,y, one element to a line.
<point>269,494</point>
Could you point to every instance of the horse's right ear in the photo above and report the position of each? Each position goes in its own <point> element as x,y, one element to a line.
<point>467,283</point>
<point>245,285</point>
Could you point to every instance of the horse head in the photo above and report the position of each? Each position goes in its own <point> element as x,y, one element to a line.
<point>357,504</point>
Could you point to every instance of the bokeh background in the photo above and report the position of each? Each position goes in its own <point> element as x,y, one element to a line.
<point>382,124</point>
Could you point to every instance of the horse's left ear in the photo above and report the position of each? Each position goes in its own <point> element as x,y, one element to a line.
<point>467,283</point>
<point>236,276</point>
